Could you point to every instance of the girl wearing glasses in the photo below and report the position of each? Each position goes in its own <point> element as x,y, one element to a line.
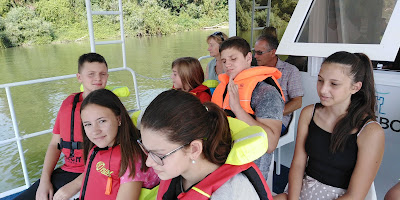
<point>187,75</point>
<point>114,167</point>
<point>214,67</point>
<point>187,143</point>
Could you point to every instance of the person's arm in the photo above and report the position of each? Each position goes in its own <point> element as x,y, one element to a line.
<point>299,161</point>
<point>393,193</point>
<point>271,126</point>
<point>70,189</point>
<point>129,190</point>
<point>45,189</point>
<point>294,90</point>
<point>371,145</point>
<point>206,74</point>
<point>292,105</point>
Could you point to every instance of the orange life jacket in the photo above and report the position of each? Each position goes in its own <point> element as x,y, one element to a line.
<point>205,188</point>
<point>246,81</point>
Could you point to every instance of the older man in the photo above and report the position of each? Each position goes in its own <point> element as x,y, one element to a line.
<point>264,52</point>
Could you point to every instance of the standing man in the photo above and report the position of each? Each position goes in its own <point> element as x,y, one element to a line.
<point>264,52</point>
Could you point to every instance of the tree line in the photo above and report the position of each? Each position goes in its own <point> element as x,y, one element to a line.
<point>27,22</point>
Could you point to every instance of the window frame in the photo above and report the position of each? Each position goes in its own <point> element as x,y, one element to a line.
<point>385,51</point>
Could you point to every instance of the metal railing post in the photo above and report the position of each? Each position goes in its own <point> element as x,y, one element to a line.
<point>90,25</point>
<point>17,137</point>
<point>121,24</point>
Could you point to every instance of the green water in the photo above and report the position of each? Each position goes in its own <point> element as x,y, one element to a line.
<point>36,105</point>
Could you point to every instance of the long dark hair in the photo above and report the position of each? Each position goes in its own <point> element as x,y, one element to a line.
<point>363,102</point>
<point>127,132</point>
<point>183,118</point>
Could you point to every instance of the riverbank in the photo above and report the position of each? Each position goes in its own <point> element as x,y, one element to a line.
<point>63,21</point>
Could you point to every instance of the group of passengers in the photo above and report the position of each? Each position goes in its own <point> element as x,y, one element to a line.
<point>186,139</point>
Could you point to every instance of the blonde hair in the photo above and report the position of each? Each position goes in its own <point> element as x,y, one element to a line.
<point>218,36</point>
<point>190,71</point>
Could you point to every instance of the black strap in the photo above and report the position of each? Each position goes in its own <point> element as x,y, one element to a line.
<point>95,151</point>
<point>88,171</point>
<point>257,183</point>
<point>271,81</point>
<point>71,145</point>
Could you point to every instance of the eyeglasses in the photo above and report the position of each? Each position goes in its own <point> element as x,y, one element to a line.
<point>158,159</point>
<point>260,52</point>
<point>218,33</point>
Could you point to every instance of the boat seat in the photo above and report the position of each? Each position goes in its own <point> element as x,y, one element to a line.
<point>76,196</point>
<point>285,139</point>
<point>371,193</point>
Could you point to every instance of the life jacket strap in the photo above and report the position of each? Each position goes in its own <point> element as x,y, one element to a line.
<point>255,179</point>
<point>69,145</point>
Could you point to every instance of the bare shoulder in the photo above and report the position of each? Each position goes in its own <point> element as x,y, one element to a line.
<point>372,132</point>
<point>306,112</point>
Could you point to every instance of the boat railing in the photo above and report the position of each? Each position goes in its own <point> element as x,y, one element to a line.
<point>204,57</point>
<point>17,138</point>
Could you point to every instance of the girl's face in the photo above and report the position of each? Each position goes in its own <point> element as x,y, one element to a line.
<point>213,47</point>
<point>334,85</point>
<point>175,164</point>
<point>176,80</point>
<point>100,124</point>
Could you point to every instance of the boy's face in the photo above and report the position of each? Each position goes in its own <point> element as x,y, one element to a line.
<point>234,62</point>
<point>93,76</point>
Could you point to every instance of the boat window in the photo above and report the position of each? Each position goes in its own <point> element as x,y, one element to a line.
<point>342,21</point>
<point>319,28</point>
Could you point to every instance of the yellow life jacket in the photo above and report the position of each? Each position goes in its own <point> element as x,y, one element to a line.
<point>134,117</point>
<point>249,142</point>
<point>212,84</point>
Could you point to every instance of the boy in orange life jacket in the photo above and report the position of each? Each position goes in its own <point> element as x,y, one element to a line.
<point>243,94</point>
<point>64,182</point>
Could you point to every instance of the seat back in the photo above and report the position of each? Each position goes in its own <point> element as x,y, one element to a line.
<point>371,193</point>
<point>291,130</point>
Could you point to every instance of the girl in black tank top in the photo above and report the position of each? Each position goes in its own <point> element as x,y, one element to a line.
<point>339,147</point>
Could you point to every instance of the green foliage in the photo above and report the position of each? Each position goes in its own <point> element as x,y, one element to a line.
<point>284,8</point>
<point>4,6</point>
<point>4,41</point>
<point>174,5</point>
<point>23,26</point>
<point>243,14</point>
<point>44,21</point>
<point>149,18</point>
<point>280,15</point>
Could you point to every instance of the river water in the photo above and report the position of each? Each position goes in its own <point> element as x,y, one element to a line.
<point>36,105</point>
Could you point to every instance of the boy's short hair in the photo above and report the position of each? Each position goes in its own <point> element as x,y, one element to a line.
<point>90,57</point>
<point>237,43</point>
<point>272,41</point>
